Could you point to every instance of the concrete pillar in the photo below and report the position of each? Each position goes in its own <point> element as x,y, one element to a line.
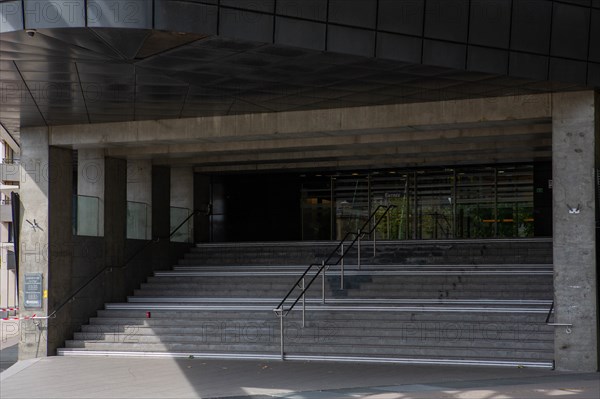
<point>575,141</point>
<point>139,194</point>
<point>182,201</point>
<point>46,237</point>
<point>161,182</point>
<point>90,183</point>
<point>115,223</point>
<point>202,201</point>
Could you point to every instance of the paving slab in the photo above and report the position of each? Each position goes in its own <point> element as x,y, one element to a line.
<point>8,349</point>
<point>109,377</point>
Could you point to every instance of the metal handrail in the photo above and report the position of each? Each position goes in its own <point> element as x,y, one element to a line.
<point>550,312</point>
<point>280,309</point>
<point>333,253</point>
<point>125,264</point>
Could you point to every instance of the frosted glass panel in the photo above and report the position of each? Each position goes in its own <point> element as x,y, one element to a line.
<point>184,233</point>
<point>88,219</point>
<point>137,220</point>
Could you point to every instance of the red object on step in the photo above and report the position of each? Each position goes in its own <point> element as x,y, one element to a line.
<point>148,315</point>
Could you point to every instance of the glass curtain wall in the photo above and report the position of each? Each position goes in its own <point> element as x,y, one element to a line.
<point>449,203</point>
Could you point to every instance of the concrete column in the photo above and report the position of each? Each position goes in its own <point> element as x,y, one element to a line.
<point>46,237</point>
<point>182,196</point>
<point>90,182</point>
<point>115,223</point>
<point>139,192</point>
<point>161,182</point>
<point>575,141</point>
<point>202,201</point>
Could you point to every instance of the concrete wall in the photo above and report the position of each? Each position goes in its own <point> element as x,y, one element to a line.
<point>46,193</point>
<point>575,131</point>
<point>68,262</point>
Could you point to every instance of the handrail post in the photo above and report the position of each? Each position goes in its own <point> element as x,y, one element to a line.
<point>303,304</point>
<point>342,269</point>
<point>358,242</point>
<point>281,333</point>
<point>323,285</point>
<point>375,241</point>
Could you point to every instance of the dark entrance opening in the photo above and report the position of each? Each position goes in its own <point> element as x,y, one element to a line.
<point>439,203</point>
<point>256,208</point>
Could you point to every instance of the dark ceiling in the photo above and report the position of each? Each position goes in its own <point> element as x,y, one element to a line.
<point>82,75</point>
<point>94,61</point>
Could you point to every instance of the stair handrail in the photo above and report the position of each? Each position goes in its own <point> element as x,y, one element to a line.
<point>126,263</point>
<point>325,264</point>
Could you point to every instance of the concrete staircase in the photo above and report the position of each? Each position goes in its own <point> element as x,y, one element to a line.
<point>447,302</point>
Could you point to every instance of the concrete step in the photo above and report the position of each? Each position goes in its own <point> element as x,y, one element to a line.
<point>450,251</point>
<point>353,267</point>
<point>459,351</point>
<point>365,272</point>
<point>378,301</point>
<point>425,330</point>
<point>547,364</point>
<point>315,292</point>
<point>442,302</point>
<point>252,337</point>
<point>395,319</point>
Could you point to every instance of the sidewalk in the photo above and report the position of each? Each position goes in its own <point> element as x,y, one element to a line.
<point>102,377</point>
<point>8,351</point>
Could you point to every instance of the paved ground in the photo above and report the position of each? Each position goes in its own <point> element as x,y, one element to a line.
<point>64,377</point>
<point>8,349</point>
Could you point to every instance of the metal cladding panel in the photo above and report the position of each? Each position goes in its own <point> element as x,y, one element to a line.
<point>40,14</point>
<point>132,14</point>
<point>11,16</point>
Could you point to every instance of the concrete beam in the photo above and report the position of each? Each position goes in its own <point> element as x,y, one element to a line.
<point>334,141</point>
<point>357,119</point>
<point>9,139</point>
<point>481,157</point>
<point>429,150</point>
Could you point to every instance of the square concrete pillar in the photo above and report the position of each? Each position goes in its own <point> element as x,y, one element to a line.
<point>161,216</point>
<point>46,239</point>
<point>139,198</point>
<point>115,224</point>
<point>575,142</point>
<point>182,202</point>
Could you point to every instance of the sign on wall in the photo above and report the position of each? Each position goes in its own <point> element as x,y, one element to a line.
<point>33,290</point>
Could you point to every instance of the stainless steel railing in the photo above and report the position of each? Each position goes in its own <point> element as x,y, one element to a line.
<point>340,252</point>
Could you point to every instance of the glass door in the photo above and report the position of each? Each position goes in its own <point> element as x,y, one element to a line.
<point>434,204</point>
<point>476,203</point>
<point>392,188</point>
<point>352,202</point>
<point>317,209</point>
